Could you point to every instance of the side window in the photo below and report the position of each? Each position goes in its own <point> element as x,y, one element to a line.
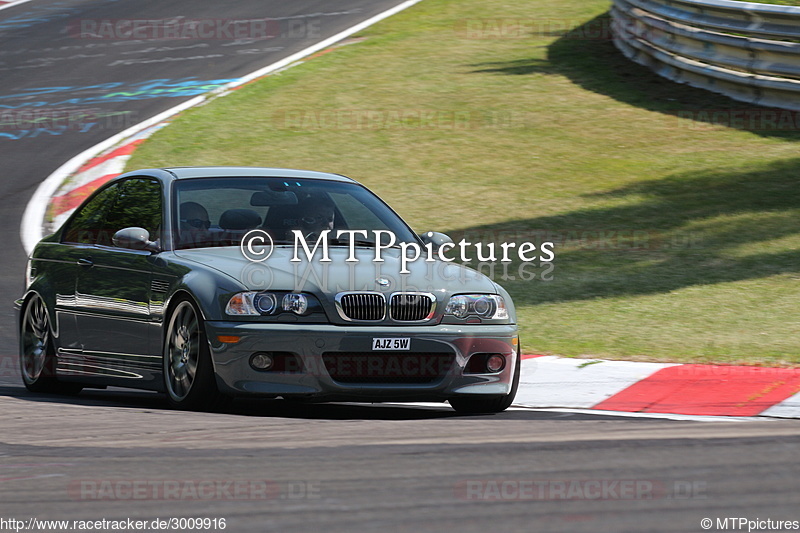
<point>87,224</point>
<point>138,204</point>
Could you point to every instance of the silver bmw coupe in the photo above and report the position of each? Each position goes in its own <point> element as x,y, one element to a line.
<point>218,282</point>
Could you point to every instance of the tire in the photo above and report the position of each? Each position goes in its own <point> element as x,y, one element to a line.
<point>187,368</point>
<point>37,355</point>
<point>497,404</point>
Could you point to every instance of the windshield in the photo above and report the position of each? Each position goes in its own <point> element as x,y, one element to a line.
<point>220,211</point>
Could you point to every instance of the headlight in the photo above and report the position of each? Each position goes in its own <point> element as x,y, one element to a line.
<point>30,272</point>
<point>266,303</point>
<point>252,303</point>
<point>489,306</point>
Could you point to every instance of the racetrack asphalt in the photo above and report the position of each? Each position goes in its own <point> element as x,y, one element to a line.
<point>274,466</point>
<point>122,454</point>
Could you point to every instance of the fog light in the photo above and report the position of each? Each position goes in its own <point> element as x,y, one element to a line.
<point>296,303</point>
<point>495,363</point>
<point>458,306</point>
<point>261,361</point>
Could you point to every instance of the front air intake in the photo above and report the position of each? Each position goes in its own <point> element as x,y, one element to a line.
<point>411,306</point>
<point>361,306</point>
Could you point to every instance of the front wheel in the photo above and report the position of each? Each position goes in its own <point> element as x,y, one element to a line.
<point>37,358</point>
<point>188,372</point>
<point>489,405</point>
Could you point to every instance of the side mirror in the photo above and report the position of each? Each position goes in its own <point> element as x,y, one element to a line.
<point>435,238</point>
<point>135,239</point>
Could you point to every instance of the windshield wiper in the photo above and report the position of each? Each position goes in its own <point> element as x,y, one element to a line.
<point>346,242</point>
<point>336,242</point>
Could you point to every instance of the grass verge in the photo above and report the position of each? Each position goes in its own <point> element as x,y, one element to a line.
<point>675,211</point>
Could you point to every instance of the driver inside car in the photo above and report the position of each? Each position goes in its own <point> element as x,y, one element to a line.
<point>318,216</point>
<point>194,225</point>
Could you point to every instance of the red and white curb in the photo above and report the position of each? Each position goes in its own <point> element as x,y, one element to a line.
<point>8,3</point>
<point>652,388</point>
<point>5,4</point>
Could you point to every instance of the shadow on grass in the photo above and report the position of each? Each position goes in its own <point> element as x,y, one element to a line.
<point>588,57</point>
<point>664,235</point>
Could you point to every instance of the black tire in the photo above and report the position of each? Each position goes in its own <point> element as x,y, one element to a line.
<point>189,379</point>
<point>37,355</point>
<point>497,404</point>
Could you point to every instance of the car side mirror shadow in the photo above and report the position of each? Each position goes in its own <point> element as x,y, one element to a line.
<point>135,239</point>
<point>435,238</point>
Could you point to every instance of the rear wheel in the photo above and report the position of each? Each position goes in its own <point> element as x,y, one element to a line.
<point>496,404</point>
<point>188,371</point>
<point>37,359</point>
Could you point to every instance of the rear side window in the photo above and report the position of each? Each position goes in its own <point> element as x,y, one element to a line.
<point>87,224</point>
<point>134,202</point>
<point>137,204</point>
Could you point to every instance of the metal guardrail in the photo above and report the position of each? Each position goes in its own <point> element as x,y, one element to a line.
<point>747,51</point>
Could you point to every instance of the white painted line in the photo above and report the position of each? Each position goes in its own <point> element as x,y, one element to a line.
<point>592,412</point>
<point>667,416</point>
<point>33,219</point>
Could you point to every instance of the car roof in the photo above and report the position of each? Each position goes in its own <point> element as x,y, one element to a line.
<point>211,172</point>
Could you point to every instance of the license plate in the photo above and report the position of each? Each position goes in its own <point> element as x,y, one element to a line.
<point>392,343</point>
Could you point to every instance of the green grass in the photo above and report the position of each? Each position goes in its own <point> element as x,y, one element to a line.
<point>546,132</point>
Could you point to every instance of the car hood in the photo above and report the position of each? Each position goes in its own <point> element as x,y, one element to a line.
<point>337,275</point>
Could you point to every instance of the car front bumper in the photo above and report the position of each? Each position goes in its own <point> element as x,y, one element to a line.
<point>364,374</point>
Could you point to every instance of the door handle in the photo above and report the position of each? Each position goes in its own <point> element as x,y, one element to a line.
<point>85,263</point>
